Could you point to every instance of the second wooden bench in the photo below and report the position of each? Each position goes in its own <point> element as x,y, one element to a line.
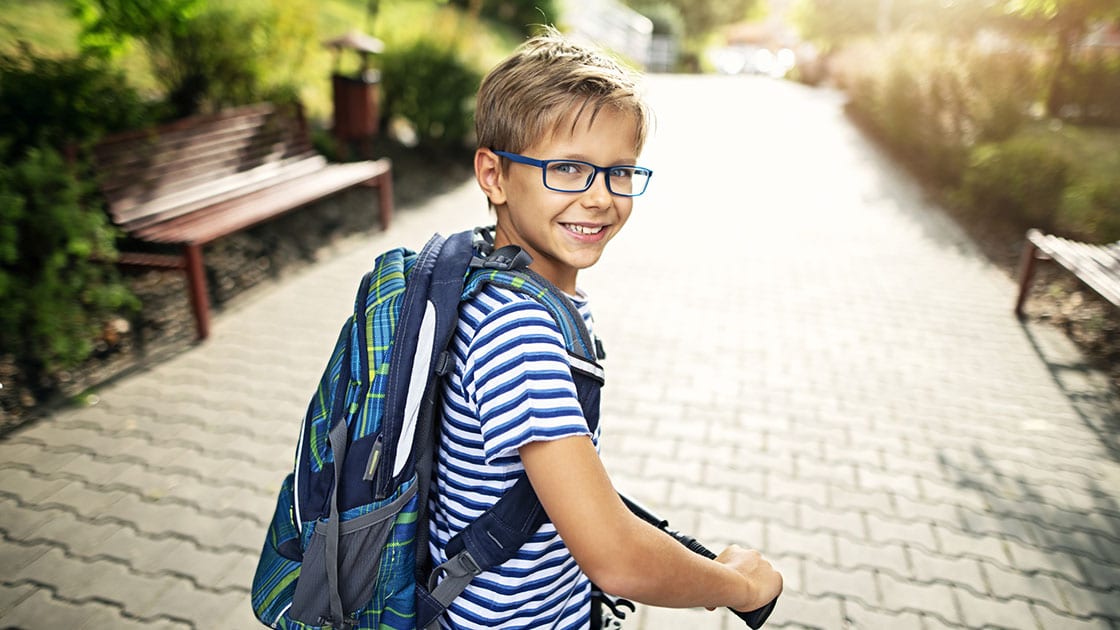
<point>1098,266</point>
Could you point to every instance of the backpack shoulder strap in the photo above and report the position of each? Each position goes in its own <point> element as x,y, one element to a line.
<point>496,535</point>
<point>577,339</point>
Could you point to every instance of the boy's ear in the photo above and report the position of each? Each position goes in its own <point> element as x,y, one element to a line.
<point>488,172</point>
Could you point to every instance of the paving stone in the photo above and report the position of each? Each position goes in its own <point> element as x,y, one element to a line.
<point>10,596</point>
<point>956,543</point>
<point>726,530</point>
<point>804,611</point>
<point>844,583</point>
<point>78,580</point>
<point>919,510</point>
<point>900,595</point>
<point>15,556</point>
<point>888,557</point>
<point>1081,600</point>
<point>1050,620</point>
<point>32,456</point>
<point>860,617</point>
<point>711,500</point>
<point>40,610</point>
<point>993,612</point>
<point>850,523</point>
<point>20,521</point>
<point>28,488</point>
<point>893,530</point>
<point>787,488</point>
<point>789,541</point>
<point>1011,584</point>
<point>202,608</point>
<point>860,500</point>
<point>934,567</point>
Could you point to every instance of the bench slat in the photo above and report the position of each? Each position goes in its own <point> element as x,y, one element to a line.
<point>244,211</point>
<point>1098,266</point>
<point>138,169</point>
<point>231,186</point>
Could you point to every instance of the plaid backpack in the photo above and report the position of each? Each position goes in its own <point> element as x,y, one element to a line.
<point>347,546</point>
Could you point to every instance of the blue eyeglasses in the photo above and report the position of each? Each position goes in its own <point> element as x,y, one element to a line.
<point>575,176</point>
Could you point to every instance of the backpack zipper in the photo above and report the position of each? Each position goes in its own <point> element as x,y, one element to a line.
<point>374,459</point>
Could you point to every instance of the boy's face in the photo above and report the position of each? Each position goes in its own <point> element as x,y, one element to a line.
<point>563,231</point>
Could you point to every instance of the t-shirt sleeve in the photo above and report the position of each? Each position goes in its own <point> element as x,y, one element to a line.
<point>517,375</point>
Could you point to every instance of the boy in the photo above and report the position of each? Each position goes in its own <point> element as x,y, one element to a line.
<point>510,404</point>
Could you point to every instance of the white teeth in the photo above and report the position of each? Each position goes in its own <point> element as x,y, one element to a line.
<point>581,229</point>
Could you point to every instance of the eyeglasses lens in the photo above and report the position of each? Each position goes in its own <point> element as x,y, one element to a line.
<point>578,176</point>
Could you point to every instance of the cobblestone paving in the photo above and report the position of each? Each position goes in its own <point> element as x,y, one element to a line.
<point>804,356</point>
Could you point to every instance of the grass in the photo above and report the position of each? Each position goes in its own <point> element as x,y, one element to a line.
<point>45,24</point>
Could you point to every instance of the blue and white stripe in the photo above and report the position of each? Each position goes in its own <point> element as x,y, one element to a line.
<point>512,385</point>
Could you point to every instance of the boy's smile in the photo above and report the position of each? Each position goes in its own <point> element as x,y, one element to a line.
<point>563,231</point>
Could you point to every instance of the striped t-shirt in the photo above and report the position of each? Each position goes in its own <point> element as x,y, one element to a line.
<point>511,386</point>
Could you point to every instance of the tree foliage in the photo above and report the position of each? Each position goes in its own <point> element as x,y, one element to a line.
<point>205,54</point>
<point>701,17</point>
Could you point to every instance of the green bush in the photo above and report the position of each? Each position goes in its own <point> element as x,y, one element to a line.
<point>1091,210</point>
<point>57,281</point>
<point>1022,177</point>
<point>932,99</point>
<point>431,86</point>
<point>59,102</point>
<point>1090,91</point>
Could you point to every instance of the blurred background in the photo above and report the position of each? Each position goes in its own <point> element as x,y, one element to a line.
<point>1008,111</point>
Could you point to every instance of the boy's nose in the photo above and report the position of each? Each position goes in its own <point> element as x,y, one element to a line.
<point>598,195</point>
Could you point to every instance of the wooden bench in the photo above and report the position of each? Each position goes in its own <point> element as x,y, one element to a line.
<point>1098,266</point>
<point>198,179</point>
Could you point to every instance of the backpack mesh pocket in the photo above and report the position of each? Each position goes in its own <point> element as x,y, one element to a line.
<point>363,538</point>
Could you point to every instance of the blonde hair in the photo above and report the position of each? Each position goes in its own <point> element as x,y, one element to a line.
<point>547,78</point>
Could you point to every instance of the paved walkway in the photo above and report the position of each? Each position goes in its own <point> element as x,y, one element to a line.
<point>804,355</point>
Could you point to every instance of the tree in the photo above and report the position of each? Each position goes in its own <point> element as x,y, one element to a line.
<point>1067,21</point>
<point>832,23</point>
<point>701,17</point>
<point>205,54</point>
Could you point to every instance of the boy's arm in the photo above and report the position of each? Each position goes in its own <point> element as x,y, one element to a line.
<point>626,556</point>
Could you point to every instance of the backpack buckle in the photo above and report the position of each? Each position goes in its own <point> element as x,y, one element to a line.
<point>505,259</point>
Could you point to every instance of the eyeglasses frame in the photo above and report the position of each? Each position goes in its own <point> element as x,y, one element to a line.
<point>543,165</point>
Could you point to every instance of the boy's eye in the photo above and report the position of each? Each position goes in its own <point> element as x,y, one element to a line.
<point>568,168</point>
<point>622,173</point>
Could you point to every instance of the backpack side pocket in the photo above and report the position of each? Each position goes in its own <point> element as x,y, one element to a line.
<point>364,532</point>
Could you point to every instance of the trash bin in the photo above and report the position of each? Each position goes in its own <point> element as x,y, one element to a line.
<point>356,97</point>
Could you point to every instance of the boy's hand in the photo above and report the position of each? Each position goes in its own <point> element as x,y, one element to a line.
<point>765,582</point>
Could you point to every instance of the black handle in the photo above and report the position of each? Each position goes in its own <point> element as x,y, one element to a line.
<point>754,618</point>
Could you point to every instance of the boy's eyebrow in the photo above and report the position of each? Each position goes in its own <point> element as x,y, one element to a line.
<point>575,154</point>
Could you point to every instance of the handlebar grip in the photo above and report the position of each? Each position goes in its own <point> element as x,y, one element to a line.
<point>754,618</point>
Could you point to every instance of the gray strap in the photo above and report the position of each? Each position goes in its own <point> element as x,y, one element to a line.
<point>338,447</point>
<point>457,573</point>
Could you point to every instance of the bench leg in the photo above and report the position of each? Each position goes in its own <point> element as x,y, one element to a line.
<point>196,281</point>
<point>1027,262</point>
<point>385,198</point>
